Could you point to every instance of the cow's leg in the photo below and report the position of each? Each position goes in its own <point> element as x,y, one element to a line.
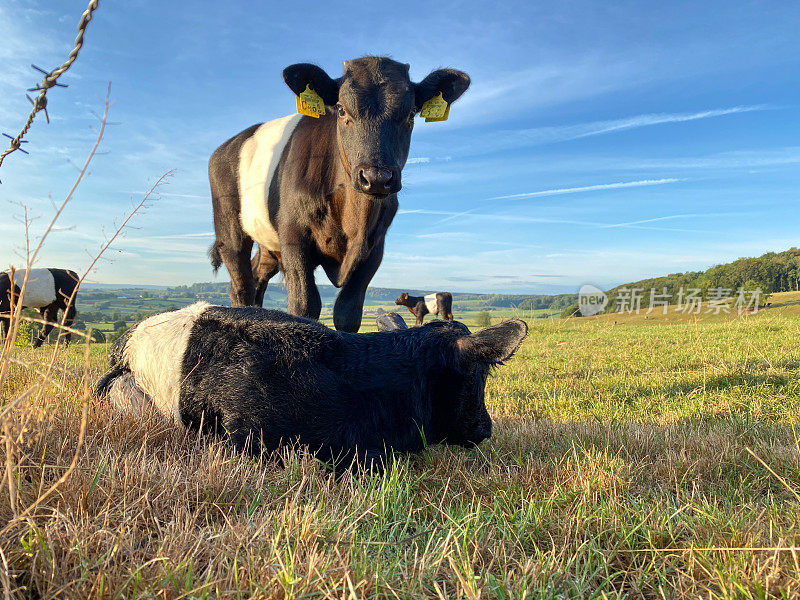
<point>298,269</point>
<point>349,306</point>
<point>232,243</point>
<point>236,256</point>
<point>4,325</point>
<point>69,319</point>
<point>447,309</point>
<point>265,267</point>
<point>49,314</point>
<point>421,310</point>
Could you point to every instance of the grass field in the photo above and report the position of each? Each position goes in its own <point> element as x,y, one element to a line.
<point>632,457</point>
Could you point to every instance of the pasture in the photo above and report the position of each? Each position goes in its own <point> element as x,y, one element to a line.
<point>631,457</point>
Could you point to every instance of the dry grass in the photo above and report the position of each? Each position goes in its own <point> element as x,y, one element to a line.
<point>639,461</point>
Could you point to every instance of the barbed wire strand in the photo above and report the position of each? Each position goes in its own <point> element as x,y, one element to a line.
<point>50,79</point>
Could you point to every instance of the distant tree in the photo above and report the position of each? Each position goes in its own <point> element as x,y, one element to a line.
<point>483,319</point>
<point>116,334</point>
<point>98,337</point>
<point>571,311</point>
<point>120,325</point>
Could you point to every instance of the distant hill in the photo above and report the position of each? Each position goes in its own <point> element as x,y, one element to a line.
<point>772,272</point>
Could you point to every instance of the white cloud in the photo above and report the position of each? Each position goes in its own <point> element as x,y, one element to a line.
<point>537,136</point>
<point>201,234</point>
<point>581,130</point>
<point>589,188</point>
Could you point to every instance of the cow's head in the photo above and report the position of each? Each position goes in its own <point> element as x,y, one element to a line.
<point>464,418</point>
<point>457,370</point>
<point>402,299</point>
<point>374,103</point>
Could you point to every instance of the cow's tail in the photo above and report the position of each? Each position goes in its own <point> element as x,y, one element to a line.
<point>215,256</point>
<point>107,381</point>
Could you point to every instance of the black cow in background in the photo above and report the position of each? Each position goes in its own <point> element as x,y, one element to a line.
<point>264,379</point>
<point>440,303</point>
<point>320,191</point>
<point>48,290</point>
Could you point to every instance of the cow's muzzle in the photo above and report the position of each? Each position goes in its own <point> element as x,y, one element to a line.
<point>377,181</point>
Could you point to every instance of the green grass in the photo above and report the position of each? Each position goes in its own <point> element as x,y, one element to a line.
<point>631,457</point>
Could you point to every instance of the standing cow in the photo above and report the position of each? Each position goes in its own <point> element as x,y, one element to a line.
<point>320,191</point>
<point>49,290</point>
<point>440,303</point>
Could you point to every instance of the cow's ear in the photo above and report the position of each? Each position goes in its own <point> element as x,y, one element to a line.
<point>298,76</point>
<point>449,82</point>
<point>390,322</point>
<point>494,344</point>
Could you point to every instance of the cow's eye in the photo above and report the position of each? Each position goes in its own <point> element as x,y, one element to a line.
<point>341,111</point>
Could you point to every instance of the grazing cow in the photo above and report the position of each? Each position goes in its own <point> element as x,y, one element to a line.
<point>48,290</point>
<point>264,379</point>
<point>440,303</point>
<point>320,191</point>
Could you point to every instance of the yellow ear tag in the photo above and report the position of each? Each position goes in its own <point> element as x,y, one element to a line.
<point>435,109</point>
<point>310,103</point>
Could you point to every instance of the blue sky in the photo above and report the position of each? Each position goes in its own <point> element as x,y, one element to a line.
<point>600,142</point>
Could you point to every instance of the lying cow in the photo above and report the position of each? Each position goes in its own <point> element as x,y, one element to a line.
<point>48,290</point>
<point>440,303</point>
<point>264,379</point>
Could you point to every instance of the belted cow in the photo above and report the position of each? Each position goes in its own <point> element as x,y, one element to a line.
<point>439,303</point>
<point>320,191</point>
<point>49,290</point>
<point>264,379</point>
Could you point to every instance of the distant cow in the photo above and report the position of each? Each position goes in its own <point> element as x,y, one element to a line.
<point>440,303</point>
<point>49,290</point>
<point>265,379</point>
<point>320,191</point>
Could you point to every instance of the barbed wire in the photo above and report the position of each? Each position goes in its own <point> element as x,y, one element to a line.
<point>50,80</point>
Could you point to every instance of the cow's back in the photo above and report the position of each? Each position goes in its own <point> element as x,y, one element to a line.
<point>252,159</point>
<point>432,303</point>
<point>40,289</point>
<point>154,352</point>
<point>258,366</point>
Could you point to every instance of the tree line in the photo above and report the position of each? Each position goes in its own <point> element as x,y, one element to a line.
<point>771,272</point>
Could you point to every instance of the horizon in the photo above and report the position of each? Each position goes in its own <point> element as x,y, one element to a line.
<point>596,144</point>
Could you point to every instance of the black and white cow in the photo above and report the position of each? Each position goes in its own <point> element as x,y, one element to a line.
<point>320,191</point>
<point>265,379</point>
<point>49,290</point>
<point>438,303</point>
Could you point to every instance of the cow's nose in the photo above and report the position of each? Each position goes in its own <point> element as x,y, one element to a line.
<point>378,181</point>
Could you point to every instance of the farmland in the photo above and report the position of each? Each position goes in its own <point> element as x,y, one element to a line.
<point>105,308</point>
